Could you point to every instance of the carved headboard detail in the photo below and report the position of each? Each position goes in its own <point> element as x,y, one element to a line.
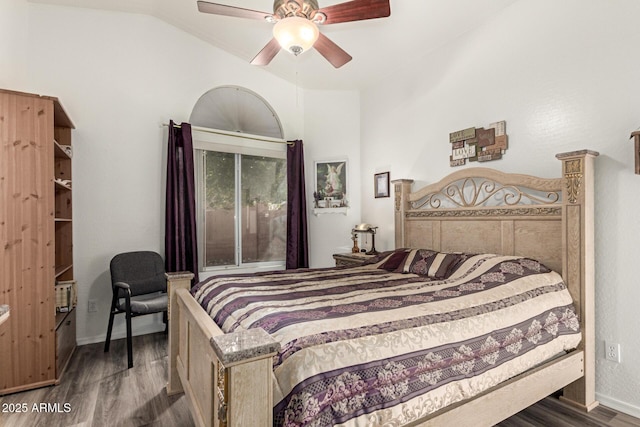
<point>482,210</point>
<point>479,187</point>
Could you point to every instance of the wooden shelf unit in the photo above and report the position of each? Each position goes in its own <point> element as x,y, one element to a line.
<point>36,237</point>
<point>63,201</point>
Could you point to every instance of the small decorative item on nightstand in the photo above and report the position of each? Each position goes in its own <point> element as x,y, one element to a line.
<point>355,249</point>
<point>368,229</point>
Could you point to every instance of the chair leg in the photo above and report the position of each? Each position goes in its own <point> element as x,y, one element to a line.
<point>165,319</point>
<point>110,327</point>
<point>129,340</point>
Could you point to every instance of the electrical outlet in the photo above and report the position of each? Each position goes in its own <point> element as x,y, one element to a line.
<point>612,351</point>
<point>93,306</point>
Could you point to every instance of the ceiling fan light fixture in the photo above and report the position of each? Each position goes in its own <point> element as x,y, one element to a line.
<point>295,34</point>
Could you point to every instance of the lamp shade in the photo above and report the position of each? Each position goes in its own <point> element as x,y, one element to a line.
<point>295,34</point>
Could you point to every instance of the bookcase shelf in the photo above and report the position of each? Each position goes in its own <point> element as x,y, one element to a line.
<point>38,342</point>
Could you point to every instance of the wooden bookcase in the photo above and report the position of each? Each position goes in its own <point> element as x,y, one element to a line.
<point>36,238</point>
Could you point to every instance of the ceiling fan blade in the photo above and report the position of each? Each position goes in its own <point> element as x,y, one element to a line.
<point>331,51</point>
<point>267,53</point>
<point>238,12</point>
<point>356,10</point>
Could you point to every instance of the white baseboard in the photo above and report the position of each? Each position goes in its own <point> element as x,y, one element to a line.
<point>618,405</point>
<point>122,333</point>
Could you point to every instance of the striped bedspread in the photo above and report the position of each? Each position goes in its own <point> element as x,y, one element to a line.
<point>363,346</point>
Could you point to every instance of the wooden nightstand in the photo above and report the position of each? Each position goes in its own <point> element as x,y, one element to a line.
<point>351,259</point>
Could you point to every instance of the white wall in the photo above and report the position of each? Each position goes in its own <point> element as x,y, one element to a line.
<point>332,132</point>
<point>14,24</point>
<point>564,76</point>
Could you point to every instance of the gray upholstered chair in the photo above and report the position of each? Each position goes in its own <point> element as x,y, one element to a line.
<point>135,274</point>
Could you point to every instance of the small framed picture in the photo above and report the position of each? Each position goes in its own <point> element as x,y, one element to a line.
<point>381,184</point>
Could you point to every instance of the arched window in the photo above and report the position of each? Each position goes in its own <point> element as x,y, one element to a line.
<point>236,109</point>
<point>241,181</point>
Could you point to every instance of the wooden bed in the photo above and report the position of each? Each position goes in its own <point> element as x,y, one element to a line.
<point>227,377</point>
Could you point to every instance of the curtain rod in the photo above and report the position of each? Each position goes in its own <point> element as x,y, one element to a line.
<point>237,135</point>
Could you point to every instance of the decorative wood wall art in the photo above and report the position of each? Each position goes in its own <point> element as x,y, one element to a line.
<point>636,136</point>
<point>478,144</point>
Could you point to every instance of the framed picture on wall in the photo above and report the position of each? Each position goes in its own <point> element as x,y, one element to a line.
<point>381,184</point>
<point>331,184</point>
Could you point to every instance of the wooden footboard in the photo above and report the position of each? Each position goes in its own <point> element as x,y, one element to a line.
<point>227,379</point>
<point>510,397</point>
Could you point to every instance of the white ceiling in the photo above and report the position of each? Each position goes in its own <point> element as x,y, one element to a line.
<point>378,46</point>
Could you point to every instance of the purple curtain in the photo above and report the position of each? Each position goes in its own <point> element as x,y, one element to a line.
<point>297,242</point>
<point>180,245</point>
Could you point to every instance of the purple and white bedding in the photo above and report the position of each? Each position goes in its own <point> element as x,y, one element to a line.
<point>379,345</point>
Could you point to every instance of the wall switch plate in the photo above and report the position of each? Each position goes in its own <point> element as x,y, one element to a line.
<point>93,306</point>
<point>612,351</point>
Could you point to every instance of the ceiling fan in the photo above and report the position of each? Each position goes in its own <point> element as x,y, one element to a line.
<point>296,24</point>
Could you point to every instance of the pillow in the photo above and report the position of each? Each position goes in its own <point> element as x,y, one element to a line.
<point>394,259</point>
<point>433,264</point>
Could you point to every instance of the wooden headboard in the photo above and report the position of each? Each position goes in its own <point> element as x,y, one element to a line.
<point>481,210</point>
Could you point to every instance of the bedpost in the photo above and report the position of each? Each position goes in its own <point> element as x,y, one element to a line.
<point>402,188</point>
<point>175,281</point>
<point>244,377</point>
<point>578,263</point>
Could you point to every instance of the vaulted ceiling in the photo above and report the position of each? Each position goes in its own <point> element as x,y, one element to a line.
<point>378,47</point>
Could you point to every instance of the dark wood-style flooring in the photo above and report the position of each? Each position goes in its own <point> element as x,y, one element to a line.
<point>100,391</point>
